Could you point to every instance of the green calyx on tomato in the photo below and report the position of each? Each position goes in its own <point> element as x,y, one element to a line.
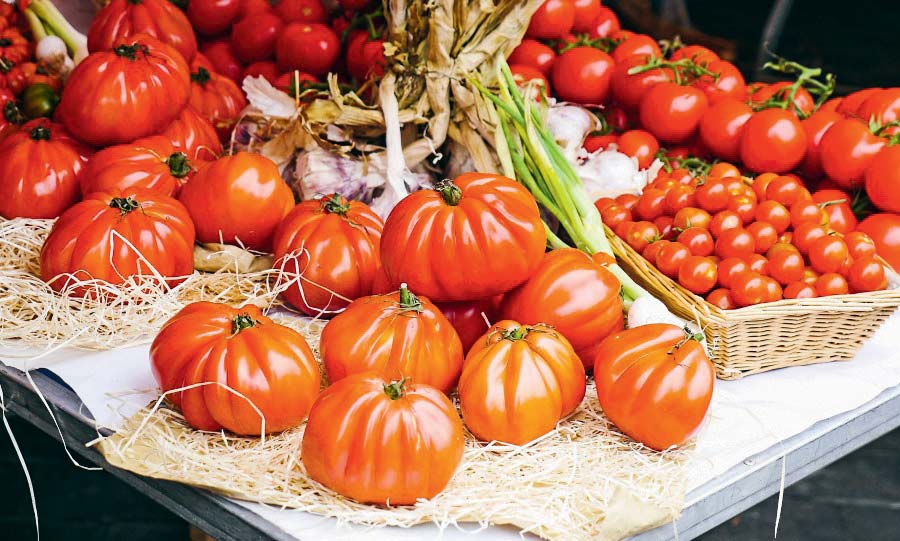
<point>131,51</point>
<point>685,70</point>
<point>516,333</point>
<point>124,204</point>
<point>697,167</point>
<point>807,78</point>
<point>361,20</point>
<point>450,193</point>
<point>201,77</point>
<point>688,336</point>
<point>241,322</point>
<point>335,205</point>
<point>179,165</point>
<point>408,301</point>
<point>395,389</point>
<point>40,133</point>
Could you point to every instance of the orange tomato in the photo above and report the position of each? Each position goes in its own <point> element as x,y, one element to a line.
<point>151,163</point>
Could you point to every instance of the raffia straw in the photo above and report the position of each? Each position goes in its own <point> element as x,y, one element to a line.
<point>560,486</point>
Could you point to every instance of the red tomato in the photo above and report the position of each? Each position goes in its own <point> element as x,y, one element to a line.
<point>815,127</point>
<point>468,220</point>
<point>831,284</point>
<point>265,69</point>
<point>671,257</point>
<point>698,53</point>
<point>151,164</point>
<point>640,234</point>
<point>251,7</point>
<point>828,254</point>
<point>572,293</point>
<point>805,234</point>
<point>638,44</point>
<point>784,189</point>
<point>837,208</point>
<point>772,140</point>
<point>774,213</point>
<point>628,90</point>
<point>860,245</point>
<point>698,274</point>
<point>749,288</point>
<point>221,55</point>
<point>883,179</point>
<point>253,37</point>
<point>471,319</point>
<point>691,217</point>
<point>525,74</point>
<point>744,206</point>
<point>295,83</point>
<point>238,199</point>
<point>807,211</point>
<point>652,250</point>
<point>313,48</point>
<point>585,13</point>
<point>39,170</point>
<point>301,11</point>
<point>786,266</point>
<point>593,143</point>
<point>628,200</point>
<point>212,17</point>
<point>218,99</point>
<point>654,383</point>
<point>800,290</point>
<point>120,20</point>
<point>852,102</point>
<point>15,47</point>
<point>736,242</point>
<point>884,230</point>
<point>113,237</point>
<point>866,274</point>
<point>159,86</point>
<point>639,144</point>
<point>604,202</point>
<point>722,125</point>
<point>723,221</point>
<point>582,75</point>
<point>397,441</point>
<point>761,183</point>
<point>764,236</point>
<point>671,112</point>
<point>615,214</point>
<point>651,204</point>
<point>698,240</point>
<point>883,106</point>
<point>553,20</point>
<point>729,82</point>
<point>535,54</point>
<point>192,134</point>
<point>780,91</point>
<point>243,351</point>
<point>847,149</point>
<point>679,197</point>
<point>721,298</point>
<point>334,244</point>
<point>729,268</point>
<point>604,24</point>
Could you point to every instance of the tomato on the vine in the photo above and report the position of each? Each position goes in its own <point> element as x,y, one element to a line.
<point>639,144</point>
<point>772,140</point>
<point>697,53</point>
<point>726,82</point>
<point>604,24</point>
<point>532,52</point>
<point>851,103</point>
<point>585,13</point>
<point>882,106</point>
<point>672,112</point>
<point>721,127</point>
<point>582,75</point>
<point>638,44</point>
<point>847,149</point>
<point>837,209</point>
<point>629,89</point>
<point>691,217</point>
<point>553,20</point>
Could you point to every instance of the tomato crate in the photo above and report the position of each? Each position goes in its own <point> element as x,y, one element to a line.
<point>763,337</point>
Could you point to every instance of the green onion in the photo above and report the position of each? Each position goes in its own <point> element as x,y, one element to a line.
<point>45,19</point>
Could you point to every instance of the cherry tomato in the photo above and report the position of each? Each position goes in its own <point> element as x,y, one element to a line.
<point>807,211</point>
<point>691,217</point>
<point>831,284</point>
<point>729,268</point>
<point>773,290</point>
<point>800,290</point>
<point>665,226</point>
<point>827,254</point>
<point>761,183</point>
<point>312,48</point>
<point>883,106</point>
<point>786,266</point>
<point>860,245</point>
<point>640,234</point>
<point>523,75</point>
<point>553,20</point>
<point>735,243</point>
<point>639,144</point>
<point>784,189</point>
<point>671,257</point>
<point>866,274</point>
<point>847,149</point>
<point>253,37</point>
<point>749,288</point>
<point>805,234</point>
<point>671,112</point>
<point>815,127</point>
<point>679,197</point>
<point>582,75</point>
<point>638,44</point>
<point>721,127</point>
<point>724,220</point>
<point>764,236</point>
<point>744,206</point>
<point>772,140</point>
<point>698,240</point>
<point>721,298</point>
<point>628,200</point>
<point>840,214</point>
<point>884,230</point>
<point>651,204</point>
<point>250,7</point>
<point>774,213</point>
<point>301,11</point>
<point>221,56</point>
<point>652,250</point>
<point>781,91</point>
<point>266,69</point>
<point>593,143</point>
<point>628,90</point>
<point>585,13</point>
<point>604,202</point>
<point>535,54</point>
<point>615,214</point>
<point>698,274</point>
<point>713,195</point>
<point>698,53</point>
<point>852,102</point>
<point>758,263</point>
<point>604,24</point>
<point>883,179</point>
<point>211,17</point>
<point>727,83</point>
<point>682,176</point>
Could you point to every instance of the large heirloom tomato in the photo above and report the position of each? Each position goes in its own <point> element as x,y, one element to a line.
<point>217,98</point>
<point>151,163</point>
<point>655,383</point>
<point>518,381</point>
<point>240,363</point>
<point>158,18</point>
<point>113,236</point>
<point>397,335</point>
<point>39,169</point>
<point>131,91</point>
<point>475,237</point>
<point>194,135</point>
<point>884,229</point>
<point>332,246</point>
<point>380,441</point>
<point>574,294</point>
<point>14,47</point>
<point>238,199</point>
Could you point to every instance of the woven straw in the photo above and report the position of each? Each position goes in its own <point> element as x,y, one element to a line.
<point>791,332</point>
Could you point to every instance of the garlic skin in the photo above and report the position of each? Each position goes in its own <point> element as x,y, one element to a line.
<point>609,173</point>
<point>570,125</point>
<point>52,53</point>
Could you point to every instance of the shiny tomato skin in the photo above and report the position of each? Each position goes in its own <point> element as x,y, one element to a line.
<point>831,284</point>
<point>883,106</point>
<point>388,447</point>
<point>301,11</point>
<point>266,69</point>
<point>517,389</point>
<point>151,163</point>
<point>772,140</point>
<point>113,236</point>
<point>860,245</point>
<point>576,296</point>
<point>847,149</point>
<point>615,214</point>
<point>253,37</point>
<point>882,179</point>
<point>736,242</point>
<point>593,143</point>
<point>749,288</point>
<point>651,204</point>
<point>805,234</point>
<point>671,112</point>
<point>532,52</point>
<point>884,230</point>
<point>721,127</point>
<point>729,83</point>
<point>158,80</point>
<point>800,290</point>
<point>761,183</point>
<point>471,319</point>
<point>604,24</point>
<point>217,98</point>
<point>712,195</point>
<point>698,274</point>
<point>553,20</point>
<point>212,17</point>
<point>628,200</point>
<point>121,20</point>
<point>430,259</point>
<point>194,135</point>
<point>638,44</point>
<point>807,211</point>
<point>652,250</point>
<point>335,245</point>
<point>671,257</point>
<point>774,213</point>
<point>866,275</point>
<point>639,144</point>
<point>221,56</point>
<point>267,363</point>
<point>729,268</point>
<point>852,102</point>
<point>309,47</point>
<point>585,13</point>
<point>764,236</point>
<point>653,389</point>
<point>744,206</point>
<point>39,170</point>
<point>582,75</point>
<point>785,189</point>
<point>691,217</point>
<point>722,299</point>
<point>698,240</point>
<point>640,234</point>
<point>803,100</point>
<point>679,197</point>
<point>840,215</point>
<point>815,127</point>
<point>628,90</point>
<point>238,199</point>
<point>827,254</point>
<point>786,267</point>
<point>698,53</point>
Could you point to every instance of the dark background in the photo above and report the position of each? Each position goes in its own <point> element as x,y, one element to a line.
<point>856,499</point>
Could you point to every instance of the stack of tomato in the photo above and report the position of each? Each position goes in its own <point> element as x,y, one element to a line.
<point>740,243</point>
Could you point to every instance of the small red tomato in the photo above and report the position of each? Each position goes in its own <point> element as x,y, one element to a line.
<point>638,44</point>
<point>604,202</point>
<point>841,218</point>
<point>761,183</point>
<point>727,82</point>
<point>523,75</point>
<point>679,197</point>
<point>805,234</point>
<point>764,235</point>
<point>698,240</point>
<point>553,20</point>
<point>828,254</point>
<point>723,221</point>
<point>713,195</point>
<point>535,54</point>
<point>772,140</point>
<point>671,257</point>
<point>604,24</point>
<point>698,274</point>
<point>665,227</point>
<point>593,143</point>
<point>582,75</point>
<point>221,56</point>
<point>253,37</point>
<point>773,290</point>
<point>691,217</point>
<point>309,47</point>
<point>786,266</point>
<point>865,275</point>
<point>721,127</point>
<point>735,242</point>
<point>785,189</point>
<point>639,144</point>
<point>758,263</point>
<point>774,213</point>
<point>744,206</point>
<point>749,288</point>
<point>729,268</point>
<point>251,7</point>
<point>698,53</point>
<point>860,245</point>
<point>800,290</point>
<point>640,234</point>
<point>211,17</point>
<point>807,211</point>
<point>301,11</point>
<point>585,13</point>
<point>266,69</point>
<point>721,298</point>
<point>615,214</point>
<point>652,250</point>
<point>651,204</point>
<point>671,112</point>
<point>831,284</point>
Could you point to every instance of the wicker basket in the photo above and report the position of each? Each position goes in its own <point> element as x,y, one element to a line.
<point>773,335</point>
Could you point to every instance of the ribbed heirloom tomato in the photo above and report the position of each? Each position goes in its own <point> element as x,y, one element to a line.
<point>39,170</point>
<point>151,163</point>
<point>572,293</point>
<point>123,19</point>
<point>655,383</point>
<point>398,335</point>
<point>444,242</point>
<point>332,246</point>
<point>131,91</point>
<point>217,98</point>
<point>113,236</point>
<point>518,381</point>
<point>238,199</point>
<point>194,135</point>
<point>380,441</point>
<point>241,363</point>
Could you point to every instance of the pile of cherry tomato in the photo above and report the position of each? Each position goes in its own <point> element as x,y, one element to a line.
<point>741,243</point>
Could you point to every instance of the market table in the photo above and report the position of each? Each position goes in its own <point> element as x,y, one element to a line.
<point>741,487</point>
